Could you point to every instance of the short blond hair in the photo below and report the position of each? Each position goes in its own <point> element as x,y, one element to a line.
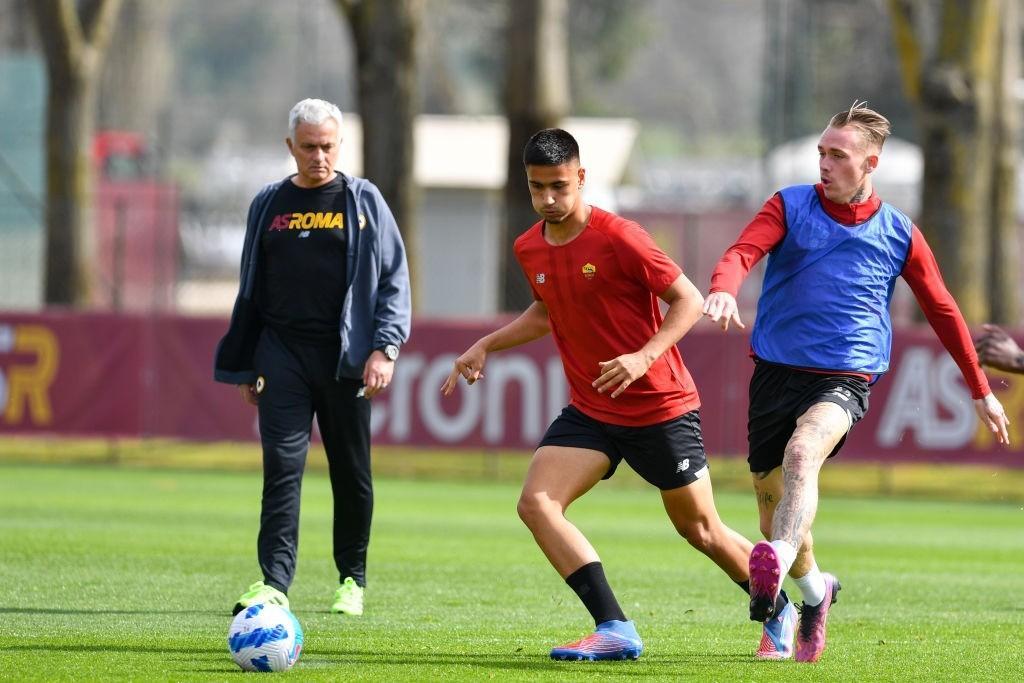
<point>873,126</point>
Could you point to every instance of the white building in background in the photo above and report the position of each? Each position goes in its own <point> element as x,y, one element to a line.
<point>459,167</point>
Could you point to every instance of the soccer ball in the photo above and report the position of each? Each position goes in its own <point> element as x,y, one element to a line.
<point>265,638</point>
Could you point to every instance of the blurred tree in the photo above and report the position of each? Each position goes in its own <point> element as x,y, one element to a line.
<point>14,18</point>
<point>385,33</point>
<point>536,97</point>
<point>815,55</point>
<point>787,99</point>
<point>221,51</point>
<point>1004,248</point>
<point>74,36</point>
<point>960,61</point>
<point>605,35</point>
<point>461,70</point>
<point>133,90</point>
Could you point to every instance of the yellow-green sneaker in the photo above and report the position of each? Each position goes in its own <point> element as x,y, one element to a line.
<point>348,599</point>
<point>260,593</point>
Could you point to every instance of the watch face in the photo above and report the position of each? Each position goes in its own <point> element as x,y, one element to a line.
<point>391,352</point>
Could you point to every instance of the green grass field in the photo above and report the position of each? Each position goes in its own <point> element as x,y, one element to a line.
<point>120,573</point>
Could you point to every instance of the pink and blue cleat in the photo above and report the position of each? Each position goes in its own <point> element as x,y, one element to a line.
<point>810,634</point>
<point>766,577</point>
<point>611,640</point>
<point>777,637</point>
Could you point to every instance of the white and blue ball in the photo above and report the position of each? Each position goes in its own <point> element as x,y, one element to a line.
<point>265,638</point>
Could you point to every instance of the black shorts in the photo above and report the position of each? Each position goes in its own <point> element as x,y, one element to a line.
<point>780,394</point>
<point>668,455</point>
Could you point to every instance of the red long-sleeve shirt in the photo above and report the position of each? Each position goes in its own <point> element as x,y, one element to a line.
<point>921,272</point>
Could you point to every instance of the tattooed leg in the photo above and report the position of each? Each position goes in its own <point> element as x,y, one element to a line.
<point>768,487</point>
<point>817,432</point>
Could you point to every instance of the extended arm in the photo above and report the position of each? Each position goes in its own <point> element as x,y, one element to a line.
<point>922,274</point>
<point>531,324</point>
<point>759,237</point>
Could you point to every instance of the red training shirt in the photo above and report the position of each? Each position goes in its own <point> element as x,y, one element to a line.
<point>601,291</point>
<point>920,271</point>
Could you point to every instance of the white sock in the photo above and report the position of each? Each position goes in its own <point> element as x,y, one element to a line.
<point>786,554</point>
<point>812,585</point>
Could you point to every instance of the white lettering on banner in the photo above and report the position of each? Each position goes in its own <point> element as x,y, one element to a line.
<point>500,372</point>
<point>440,425</point>
<point>922,383</point>
<point>415,392</point>
<point>956,398</point>
<point>6,344</point>
<point>396,413</point>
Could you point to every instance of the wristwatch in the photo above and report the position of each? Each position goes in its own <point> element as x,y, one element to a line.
<point>390,352</point>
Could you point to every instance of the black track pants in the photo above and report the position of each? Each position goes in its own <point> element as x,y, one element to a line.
<point>298,384</point>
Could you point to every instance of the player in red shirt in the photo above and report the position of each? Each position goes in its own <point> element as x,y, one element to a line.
<point>597,280</point>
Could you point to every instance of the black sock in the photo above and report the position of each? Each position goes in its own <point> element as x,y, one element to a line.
<point>780,602</point>
<point>592,587</point>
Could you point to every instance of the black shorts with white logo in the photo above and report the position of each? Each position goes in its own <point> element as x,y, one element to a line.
<point>780,394</point>
<point>668,455</point>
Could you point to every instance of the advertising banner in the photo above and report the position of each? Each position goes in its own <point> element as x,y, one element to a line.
<point>108,375</point>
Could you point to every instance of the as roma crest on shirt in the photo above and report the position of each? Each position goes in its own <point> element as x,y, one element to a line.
<point>589,270</point>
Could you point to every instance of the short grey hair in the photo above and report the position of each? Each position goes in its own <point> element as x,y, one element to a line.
<point>314,112</point>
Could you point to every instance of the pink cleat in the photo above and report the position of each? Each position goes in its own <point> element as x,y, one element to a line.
<point>765,581</point>
<point>810,634</point>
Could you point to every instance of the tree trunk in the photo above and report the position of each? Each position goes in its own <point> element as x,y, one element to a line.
<point>74,38</point>
<point>133,90</point>
<point>536,97</point>
<point>70,250</point>
<point>385,33</point>
<point>1005,242</point>
<point>954,87</point>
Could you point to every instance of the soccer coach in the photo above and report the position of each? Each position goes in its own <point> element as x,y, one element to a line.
<point>322,309</point>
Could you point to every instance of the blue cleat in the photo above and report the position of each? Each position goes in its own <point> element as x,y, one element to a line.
<point>611,640</point>
<point>777,636</point>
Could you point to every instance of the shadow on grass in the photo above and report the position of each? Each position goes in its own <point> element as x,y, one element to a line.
<point>70,647</point>
<point>645,666</point>
<point>489,661</point>
<point>58,610</point>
